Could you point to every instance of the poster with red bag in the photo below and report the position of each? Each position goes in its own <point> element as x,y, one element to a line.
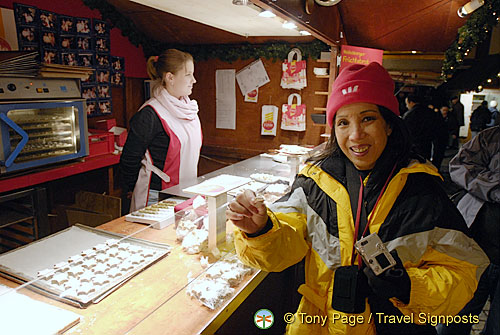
<point>294,71</point>
<point>293,116</point>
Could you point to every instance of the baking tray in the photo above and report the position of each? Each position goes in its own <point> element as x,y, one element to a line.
<point>23,264</point>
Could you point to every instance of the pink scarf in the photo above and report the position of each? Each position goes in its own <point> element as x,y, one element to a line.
<point>183,108</point>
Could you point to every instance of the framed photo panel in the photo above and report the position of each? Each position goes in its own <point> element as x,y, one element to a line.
<point>25,15</point>
<point>102,44</point>
<point>117,63</point>
<point>89,92</point>
<point>48,20</point>
<point>27,35</point>
<point>103,76</point>
<point>82,26</point>
<point>84,43</point>
<point>66,24</point>
<point>102,60</point>
<point>49,56</point>
<point>91,107</point>
<point>104,106</point>
<point>67,42</point>
<point>117,79</point>
<point>85,59</point>
<point>100,28</point>
<point>48,40</point>
<point>69,58</point>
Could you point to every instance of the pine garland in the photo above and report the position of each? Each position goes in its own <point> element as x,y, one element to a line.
<point>224,52</point>
<point>473,32</point>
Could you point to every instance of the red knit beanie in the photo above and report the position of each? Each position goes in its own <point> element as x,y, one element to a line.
<point>362,83</point>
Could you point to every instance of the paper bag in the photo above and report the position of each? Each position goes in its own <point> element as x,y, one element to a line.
<point>293,115</point>
<point>294,71</point>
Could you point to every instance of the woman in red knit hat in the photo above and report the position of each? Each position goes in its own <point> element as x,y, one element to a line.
<point>366,181</point>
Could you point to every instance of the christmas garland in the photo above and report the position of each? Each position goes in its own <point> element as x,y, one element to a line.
<point>473,32</point>
<point>224,52</point>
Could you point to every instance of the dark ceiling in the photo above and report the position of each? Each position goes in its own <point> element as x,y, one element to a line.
<point>401,25</point>
<point>391,25</point>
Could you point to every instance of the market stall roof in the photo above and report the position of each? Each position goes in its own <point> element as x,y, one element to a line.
<point>413,34</point>
<point>391,25</point>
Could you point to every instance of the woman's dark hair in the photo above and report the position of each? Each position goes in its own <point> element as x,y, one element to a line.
<point>398,143</point>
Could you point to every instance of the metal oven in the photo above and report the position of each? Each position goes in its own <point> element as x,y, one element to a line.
<point>42,121</point>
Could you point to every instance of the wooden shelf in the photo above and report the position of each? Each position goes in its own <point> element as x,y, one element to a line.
<point>320,93</point>
<point>323,60</point>
<point>321,109</point>
<point>323,77</point>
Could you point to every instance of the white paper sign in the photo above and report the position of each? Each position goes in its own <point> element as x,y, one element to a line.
<point>252,76</point>
<point>225,99</point>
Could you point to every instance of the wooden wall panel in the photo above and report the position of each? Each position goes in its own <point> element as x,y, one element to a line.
<point>246,137</point>
<point>245,141</point>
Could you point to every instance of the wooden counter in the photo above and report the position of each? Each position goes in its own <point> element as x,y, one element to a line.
<point>154,301</point>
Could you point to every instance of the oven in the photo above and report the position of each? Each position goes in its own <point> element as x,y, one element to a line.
<point>42,121</point>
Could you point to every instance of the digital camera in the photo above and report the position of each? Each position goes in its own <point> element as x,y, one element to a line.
<point>374,253</point>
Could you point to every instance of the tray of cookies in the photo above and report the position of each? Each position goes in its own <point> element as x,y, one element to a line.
<point>159,216</point>
<point>80,265</point>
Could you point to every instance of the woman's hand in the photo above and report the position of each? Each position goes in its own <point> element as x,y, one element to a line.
<point>247,212</point>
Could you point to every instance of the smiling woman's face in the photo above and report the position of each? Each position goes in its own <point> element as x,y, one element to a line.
<point>361,133</point>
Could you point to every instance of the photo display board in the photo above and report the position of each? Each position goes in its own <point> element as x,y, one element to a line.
<point>74,41</point>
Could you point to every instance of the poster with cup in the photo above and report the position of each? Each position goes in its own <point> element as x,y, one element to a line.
<point>269,121</point>
<point>293,114</point>
<point>252,96</point>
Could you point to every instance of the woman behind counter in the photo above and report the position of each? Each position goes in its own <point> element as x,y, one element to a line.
<point>365,181</point>
<point>164,142</point>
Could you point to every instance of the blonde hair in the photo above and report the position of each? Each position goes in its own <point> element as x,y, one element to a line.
<point>171,60</point>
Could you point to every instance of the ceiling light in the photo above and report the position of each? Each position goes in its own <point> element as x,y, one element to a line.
<point>468,8</point>
<point>413,52</point>
<point>267,13</point>
<point>240,2</point>
<point>289,25</point>
<point>304,33</point>
<point>327,2</point>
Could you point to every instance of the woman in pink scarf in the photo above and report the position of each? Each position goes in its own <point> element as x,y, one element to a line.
<point>164,142</point>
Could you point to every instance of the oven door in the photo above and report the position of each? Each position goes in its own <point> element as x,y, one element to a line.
<point>39,133</point>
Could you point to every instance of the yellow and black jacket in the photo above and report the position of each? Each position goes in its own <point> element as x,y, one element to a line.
<point>414,217</point>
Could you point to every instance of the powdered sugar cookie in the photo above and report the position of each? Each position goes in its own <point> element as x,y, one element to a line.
<point>113,273</point>
<point>75,271</point>
<point>100,269</point>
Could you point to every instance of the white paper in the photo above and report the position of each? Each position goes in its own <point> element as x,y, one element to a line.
<point>225,99</point>
<point>252,76</point>
<point>217,185</point>
<point>20,314</point>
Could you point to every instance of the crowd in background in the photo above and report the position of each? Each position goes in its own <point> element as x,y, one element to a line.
<point>435,127</point>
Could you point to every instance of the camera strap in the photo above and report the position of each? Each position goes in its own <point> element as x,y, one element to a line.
<point>361,217</point>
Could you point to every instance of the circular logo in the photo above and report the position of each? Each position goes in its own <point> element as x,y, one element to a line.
<point>263,319</point>
<point>268,125</point>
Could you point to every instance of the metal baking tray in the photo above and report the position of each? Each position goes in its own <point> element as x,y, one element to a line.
<point>22,264</point>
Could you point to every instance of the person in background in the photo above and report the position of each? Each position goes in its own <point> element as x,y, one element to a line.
<point>366,180</point>
<point>479,118</point>
<point>164,142</point>
<point>457,109</point>
<point>421,122</point>
<point>440,140</point>
<point>494,114</point>
<point>476,168</point>
<point>452,127</point>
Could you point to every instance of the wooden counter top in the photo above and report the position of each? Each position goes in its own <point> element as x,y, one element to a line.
<point>154,301</point>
